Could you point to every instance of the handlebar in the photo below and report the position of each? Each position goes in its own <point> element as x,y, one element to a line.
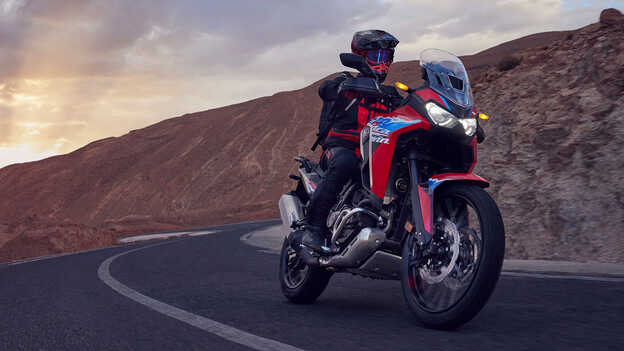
<point>364,86</point>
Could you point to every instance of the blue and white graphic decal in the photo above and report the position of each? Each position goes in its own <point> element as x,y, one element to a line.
<point>384,126</point>
<point>433,183</point>
<point>445,103</point>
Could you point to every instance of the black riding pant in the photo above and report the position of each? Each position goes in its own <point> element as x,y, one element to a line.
<point>341,164</point>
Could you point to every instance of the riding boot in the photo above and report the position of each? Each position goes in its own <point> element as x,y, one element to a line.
<point>311,236</point>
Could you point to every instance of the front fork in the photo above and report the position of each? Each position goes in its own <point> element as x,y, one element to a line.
<point>422,205</point>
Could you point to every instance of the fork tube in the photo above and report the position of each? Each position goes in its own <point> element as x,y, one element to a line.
<point>416,211</point>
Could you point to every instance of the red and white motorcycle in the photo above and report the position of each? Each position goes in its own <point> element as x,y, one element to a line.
<point>418,214</point>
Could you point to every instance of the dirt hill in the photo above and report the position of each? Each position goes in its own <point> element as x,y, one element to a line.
<point>551,155</point>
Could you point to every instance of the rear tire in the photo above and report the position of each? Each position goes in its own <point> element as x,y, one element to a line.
<point>484,275</point>
<point>301,284</point>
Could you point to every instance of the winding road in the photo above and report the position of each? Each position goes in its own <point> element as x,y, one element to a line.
<point>215,292</point>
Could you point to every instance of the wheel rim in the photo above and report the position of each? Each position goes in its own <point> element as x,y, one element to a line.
<point>439,282</point>
<point>294,271</point>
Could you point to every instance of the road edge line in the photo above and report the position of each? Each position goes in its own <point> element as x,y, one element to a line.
<point>219,329</point>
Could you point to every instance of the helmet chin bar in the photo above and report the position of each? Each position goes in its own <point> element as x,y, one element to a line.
<point>380,70</point>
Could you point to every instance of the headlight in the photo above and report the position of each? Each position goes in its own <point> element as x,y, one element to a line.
<point>446,119</point>
<point>470,125</point>
<point>440,116</point>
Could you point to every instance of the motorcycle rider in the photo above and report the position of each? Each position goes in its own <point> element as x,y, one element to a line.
<point>341,146</point>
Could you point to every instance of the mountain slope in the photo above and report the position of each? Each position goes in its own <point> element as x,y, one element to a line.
<point>231,163</point>
<point>554,147</point>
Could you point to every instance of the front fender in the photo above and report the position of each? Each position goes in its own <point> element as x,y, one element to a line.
<point>423,199</point>
<point>440,179</point>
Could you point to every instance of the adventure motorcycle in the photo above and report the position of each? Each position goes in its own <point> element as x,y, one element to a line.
<point>418,214</point>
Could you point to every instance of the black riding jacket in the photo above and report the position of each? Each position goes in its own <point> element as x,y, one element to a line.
<point>348,124</point>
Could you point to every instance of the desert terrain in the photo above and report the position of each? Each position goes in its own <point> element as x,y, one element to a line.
<point>552,155</point>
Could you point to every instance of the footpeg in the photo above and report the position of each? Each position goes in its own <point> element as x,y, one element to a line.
<point>307,257</point>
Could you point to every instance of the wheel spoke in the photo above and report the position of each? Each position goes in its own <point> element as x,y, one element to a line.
<point>289,277</point>
<point>462,220</point>
<point>451,211</point>
<point>458,272</point>
<point>434,301</point>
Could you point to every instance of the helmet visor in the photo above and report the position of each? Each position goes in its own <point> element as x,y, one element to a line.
<point>380,56</point>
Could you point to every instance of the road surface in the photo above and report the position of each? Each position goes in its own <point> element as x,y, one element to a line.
<point>214,292</point>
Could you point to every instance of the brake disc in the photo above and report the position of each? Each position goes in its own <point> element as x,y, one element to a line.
<point>451,236</point>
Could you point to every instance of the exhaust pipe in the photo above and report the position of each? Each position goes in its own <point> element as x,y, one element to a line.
<point>360,249</point>
<point>291,210</point>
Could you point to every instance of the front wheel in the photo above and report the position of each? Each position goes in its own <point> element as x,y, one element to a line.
<point>447,285</point>
<point>301,284</point>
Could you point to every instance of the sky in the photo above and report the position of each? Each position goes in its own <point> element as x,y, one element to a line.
<point>75,71</point>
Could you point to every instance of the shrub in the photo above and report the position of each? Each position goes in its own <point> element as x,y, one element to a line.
<point>508,62</point>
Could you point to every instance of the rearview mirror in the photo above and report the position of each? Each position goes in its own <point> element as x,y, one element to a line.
<point>357,62</point>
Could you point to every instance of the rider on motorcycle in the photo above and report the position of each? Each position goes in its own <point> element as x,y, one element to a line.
<point>341,146</point>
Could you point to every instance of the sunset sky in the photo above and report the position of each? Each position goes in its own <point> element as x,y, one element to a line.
<point>74,71</point>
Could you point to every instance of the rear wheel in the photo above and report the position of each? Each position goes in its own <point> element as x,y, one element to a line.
<point>300,283</point>
<point>447,286</point>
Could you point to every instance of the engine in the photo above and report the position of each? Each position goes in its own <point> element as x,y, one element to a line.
<point>348,218</point>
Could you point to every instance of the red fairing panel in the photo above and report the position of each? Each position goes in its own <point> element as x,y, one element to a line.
<point>425,207</point>
<point>385,131</point>
<point>428,95</point>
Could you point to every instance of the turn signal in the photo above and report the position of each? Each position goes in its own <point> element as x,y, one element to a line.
<point>401,86</point>
<point>483,116</point>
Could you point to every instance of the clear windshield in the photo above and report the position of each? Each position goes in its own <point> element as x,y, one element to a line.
<point>447,76</point>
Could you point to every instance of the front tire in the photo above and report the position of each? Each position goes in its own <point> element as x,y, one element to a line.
<point>455,299</point>
<point>301,284</point>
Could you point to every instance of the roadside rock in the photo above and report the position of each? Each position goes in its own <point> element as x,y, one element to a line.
<point>611,16</point>
<point>34,236</point>
<point>553,152</point>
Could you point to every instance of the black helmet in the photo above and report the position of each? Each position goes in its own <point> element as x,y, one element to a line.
<point>377,46</point>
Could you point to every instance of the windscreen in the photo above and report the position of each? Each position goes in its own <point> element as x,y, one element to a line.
<point>447,76</point>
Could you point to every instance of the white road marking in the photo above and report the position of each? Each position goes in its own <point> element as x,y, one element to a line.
<point>136,238</point>
<point>562,276</point>
<point>225,331</point>
<point>49,257</point>
<point>126,240</point>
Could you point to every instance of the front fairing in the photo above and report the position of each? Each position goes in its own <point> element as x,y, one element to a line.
<point>378,142</point>
<point>442,109</point>
<point>417,101</point>
<point>447,76</point>
<point>386,136</point>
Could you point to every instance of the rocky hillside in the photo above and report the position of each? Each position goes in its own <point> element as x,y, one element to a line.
<point>231,164</point>
<point>553,151</point>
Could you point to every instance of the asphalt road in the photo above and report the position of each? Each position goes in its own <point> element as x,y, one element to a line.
<point>63,304</point>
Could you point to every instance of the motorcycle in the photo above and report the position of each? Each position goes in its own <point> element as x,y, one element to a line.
<point>418,214</point>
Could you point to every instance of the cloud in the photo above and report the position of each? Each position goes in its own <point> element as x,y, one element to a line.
<point>119,65</point>
<point>22,153</point>
<point>67,38</point>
